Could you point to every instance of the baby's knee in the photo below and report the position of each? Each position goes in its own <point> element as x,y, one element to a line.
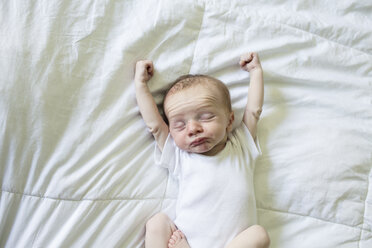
<point>158,224</point>
<point>262,237</point>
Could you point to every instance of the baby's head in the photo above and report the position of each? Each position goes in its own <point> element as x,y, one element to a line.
<point>199,113</point>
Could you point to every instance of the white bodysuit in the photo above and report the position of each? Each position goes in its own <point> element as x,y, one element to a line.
<point>216,197</point>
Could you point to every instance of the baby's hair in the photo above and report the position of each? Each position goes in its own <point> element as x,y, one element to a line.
<point>189,80</point>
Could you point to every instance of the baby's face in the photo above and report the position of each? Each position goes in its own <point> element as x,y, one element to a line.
<point>198,120</point>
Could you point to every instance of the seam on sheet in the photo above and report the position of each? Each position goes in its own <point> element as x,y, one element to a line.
<point>165,193</point>
<point>36,236</point>
<point>197,39</point>
<point>365,207</point>
<point>262,19</point>
<point>85,199</point>
<point>312,217</point>
<point>322,37</point>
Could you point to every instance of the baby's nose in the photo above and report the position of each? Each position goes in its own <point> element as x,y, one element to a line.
<point>194,127</point>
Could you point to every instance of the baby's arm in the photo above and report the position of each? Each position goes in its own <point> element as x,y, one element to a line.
<point>251,63</point>
<point>146,103</point>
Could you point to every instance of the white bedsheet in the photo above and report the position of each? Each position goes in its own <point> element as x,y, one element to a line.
<point>76,162</point>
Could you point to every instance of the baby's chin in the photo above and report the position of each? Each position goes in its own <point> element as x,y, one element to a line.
<point>208,151</point>
<point>200,149</point>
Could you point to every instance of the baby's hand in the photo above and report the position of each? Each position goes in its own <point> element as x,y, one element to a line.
<point>250,62</point>
<point>144,71</point>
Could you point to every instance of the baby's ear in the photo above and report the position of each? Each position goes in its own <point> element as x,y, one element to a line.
<point>231,121</point>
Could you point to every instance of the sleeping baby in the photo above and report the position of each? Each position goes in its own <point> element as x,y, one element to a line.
<point>214,164</point>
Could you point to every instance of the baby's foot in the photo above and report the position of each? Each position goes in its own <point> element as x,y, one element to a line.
<point>178,240</point>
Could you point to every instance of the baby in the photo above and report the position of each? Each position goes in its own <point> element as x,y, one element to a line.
<point>214,164</point>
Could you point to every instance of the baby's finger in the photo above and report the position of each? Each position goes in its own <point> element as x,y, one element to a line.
<point>150,68</point>
<point>242,63</point>
<point>255,57</point>
<point>247,57</point>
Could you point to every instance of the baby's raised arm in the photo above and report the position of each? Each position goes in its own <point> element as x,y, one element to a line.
<point>146,103</point>
<point>250,62</point>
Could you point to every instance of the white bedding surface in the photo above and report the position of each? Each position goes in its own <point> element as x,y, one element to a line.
<point>76,161</point>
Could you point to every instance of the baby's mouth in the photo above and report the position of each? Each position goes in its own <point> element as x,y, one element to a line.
<point>198,141</point>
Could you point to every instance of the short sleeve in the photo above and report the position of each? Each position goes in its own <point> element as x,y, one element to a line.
<point>247,142</point>
<point>169,157</point>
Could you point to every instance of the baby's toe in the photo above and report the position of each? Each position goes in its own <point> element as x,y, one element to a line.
<point>177,235</point>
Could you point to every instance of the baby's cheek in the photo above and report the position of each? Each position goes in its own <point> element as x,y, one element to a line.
<point>216,131</point>
<point>180,142</point>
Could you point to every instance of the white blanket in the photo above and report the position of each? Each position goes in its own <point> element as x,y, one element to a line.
<point>76,161</point>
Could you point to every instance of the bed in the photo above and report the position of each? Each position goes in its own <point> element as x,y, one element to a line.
<point>76,161</point>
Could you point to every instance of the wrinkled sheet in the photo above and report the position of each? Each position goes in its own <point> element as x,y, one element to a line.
<point>76,161</point>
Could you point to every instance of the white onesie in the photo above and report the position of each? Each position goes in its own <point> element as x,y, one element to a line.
<point>216,197</point>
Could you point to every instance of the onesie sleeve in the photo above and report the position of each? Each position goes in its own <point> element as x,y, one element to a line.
<point>247,142</point>
<point>169,157</point>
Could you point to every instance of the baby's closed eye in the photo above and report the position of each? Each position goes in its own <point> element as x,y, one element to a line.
<point>179,125</point>
<point>206,116</point>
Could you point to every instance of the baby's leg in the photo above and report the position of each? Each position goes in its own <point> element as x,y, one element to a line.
<point>252,237</point>
<point>159,230</point>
